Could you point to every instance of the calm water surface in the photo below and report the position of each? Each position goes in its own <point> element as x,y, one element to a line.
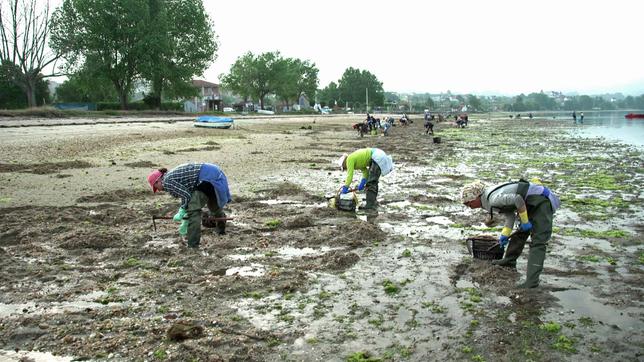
<point>609,124</point>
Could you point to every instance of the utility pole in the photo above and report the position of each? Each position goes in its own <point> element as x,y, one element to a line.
<point>367,92</point>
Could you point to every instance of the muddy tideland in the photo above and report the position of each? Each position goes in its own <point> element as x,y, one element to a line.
<point>84,275</point>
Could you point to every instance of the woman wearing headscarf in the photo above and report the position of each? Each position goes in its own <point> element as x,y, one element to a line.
<point>197,185</point>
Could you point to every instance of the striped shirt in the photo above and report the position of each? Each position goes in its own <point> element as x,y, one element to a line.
<point>181,181</point>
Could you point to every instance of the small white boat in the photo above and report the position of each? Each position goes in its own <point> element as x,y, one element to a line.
<point>213,122</point>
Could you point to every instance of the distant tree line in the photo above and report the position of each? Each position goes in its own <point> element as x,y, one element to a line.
<point>255,77</point>
<point>542,102</point>
<point>270,76</point>
<point>520,103</point>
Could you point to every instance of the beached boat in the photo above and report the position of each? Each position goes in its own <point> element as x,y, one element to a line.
<point>213,122</point>
<point>634,115</point>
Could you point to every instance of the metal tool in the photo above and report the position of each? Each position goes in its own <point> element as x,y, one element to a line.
<point>498,244</point>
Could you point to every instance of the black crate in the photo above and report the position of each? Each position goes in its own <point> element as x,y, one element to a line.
<point>484,248</point>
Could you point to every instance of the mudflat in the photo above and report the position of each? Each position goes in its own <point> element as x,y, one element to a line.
<point>84,275</point>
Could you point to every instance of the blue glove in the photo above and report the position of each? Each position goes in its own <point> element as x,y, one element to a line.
<point>503,241</point>
<point>526,227</point>
<point>183,229</point>
<point>363,182</point>
<point>345,190</point>
<point>179,215</point>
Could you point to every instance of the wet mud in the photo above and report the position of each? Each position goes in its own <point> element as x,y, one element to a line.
<point>85,275</point>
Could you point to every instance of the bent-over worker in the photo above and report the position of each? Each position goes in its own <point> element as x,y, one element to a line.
<point>372,162</point>
<point>534,204</point>
<point>197,185</point>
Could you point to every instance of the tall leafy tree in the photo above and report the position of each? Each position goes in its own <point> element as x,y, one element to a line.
<point>297,78</point>
<point>87,85</point>
<point>181,44</point>
<point>236,81</point>
<point>330,95</point>
<point>24,32</point>
<point>12,96</point>
<point>519,105</point>
<point>473,102</point>
<point>113,33</point>
<point>255,76</point>
<point>307,80</point>
<point>540,101</point>
<point>355,84</point>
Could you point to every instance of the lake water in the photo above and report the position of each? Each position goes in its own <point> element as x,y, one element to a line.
<point>608,124</point>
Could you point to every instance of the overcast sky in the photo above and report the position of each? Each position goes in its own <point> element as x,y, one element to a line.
<point>474,46</point>
<point>489,46</point>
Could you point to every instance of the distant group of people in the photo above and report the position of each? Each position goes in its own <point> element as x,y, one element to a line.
<point>461,120</point>
<point>404,120</point>
<point>371,124</point>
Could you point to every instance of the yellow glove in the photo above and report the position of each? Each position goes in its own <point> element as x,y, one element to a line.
<point>506,231</point>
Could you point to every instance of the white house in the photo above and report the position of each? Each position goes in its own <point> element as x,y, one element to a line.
<point>208,98</point>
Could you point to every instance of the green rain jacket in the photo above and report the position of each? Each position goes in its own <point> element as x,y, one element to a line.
<point>360,160</point>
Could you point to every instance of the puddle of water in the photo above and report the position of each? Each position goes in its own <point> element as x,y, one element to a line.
<point>288,252</point>
<point>254,270</point>
<point>7,356</point>
<point>577,242</point>
<point>247,308</point>
<point>158,242</point>
<point>423,230</point>
<point>441,180</point>
<point>278,202</point>
<point>580,303</point>
<point>399,204</point>
<point>37,308</point>
<point>242,257</point>
<point>441,220</point>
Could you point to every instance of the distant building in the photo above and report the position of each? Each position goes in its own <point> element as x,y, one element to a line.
<point>208,98</point>
<point>52,85</point>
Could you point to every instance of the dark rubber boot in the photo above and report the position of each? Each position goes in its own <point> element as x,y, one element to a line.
<point>505,262</point>
<point>197,201</point>
<point>515,248</point>
<point>221,227</point>
<point>372,187</point>
<point>194,231</point>
<point>535,266</point>
<point>371,200</point>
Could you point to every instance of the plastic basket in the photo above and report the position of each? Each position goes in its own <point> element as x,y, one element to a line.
<point>484,247</point>
<point>346,202</point>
